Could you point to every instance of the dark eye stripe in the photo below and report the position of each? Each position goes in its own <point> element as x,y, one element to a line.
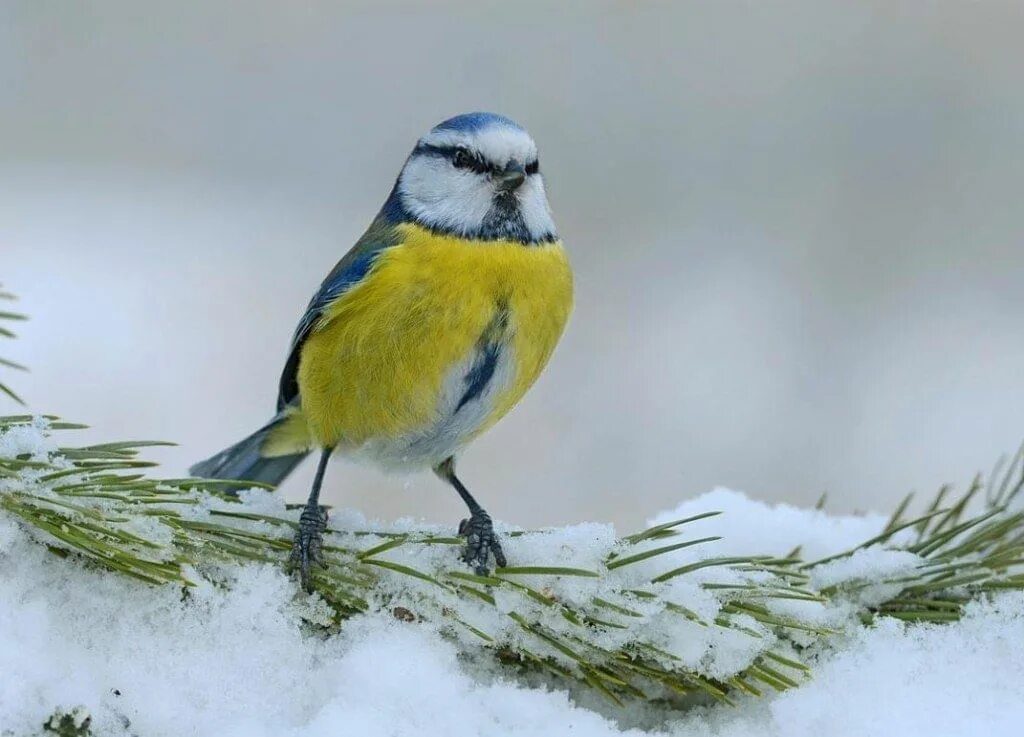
<point>464,159</point>
<point>426,148</point>
<point>474,162</point>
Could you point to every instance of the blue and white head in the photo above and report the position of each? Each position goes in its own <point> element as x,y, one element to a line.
<point>476,176</point>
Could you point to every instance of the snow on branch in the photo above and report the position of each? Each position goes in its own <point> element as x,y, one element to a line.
<point>671,615</point>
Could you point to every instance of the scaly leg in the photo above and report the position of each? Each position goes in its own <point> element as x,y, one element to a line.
<point>308,546</point>
<point>481,541</point>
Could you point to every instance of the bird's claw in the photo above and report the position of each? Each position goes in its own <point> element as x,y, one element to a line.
<point>481,543</point>
<point>307,549</point>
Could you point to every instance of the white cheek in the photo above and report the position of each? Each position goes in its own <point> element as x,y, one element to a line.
<point>456,200</point>
<point>444,197</point>
<point>533,204</point>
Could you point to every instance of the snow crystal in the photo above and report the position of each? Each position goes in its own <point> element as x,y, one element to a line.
<point>870,574</point>
<point>30,439</point>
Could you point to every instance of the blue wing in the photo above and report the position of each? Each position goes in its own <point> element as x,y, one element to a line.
<point>353,268</point>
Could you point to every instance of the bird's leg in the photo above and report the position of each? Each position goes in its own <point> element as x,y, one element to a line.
<point>308,546</point>
<point>481,541</point>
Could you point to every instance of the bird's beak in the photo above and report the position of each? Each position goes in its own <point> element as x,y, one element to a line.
<point>511,178</point>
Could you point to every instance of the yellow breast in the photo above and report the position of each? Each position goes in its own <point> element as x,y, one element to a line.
<point>377,365</point>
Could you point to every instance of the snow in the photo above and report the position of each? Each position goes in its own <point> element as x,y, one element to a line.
<point>235,662</point>
<point>31,439</point>
<point>757,528</point>
<point>243,659</point>
<point>937,680</point>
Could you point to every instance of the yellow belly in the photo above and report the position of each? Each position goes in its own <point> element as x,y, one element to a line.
<point>376,367</point>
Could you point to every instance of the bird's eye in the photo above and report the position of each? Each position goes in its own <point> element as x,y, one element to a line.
<point>462,159</point>
<point>533,167</point>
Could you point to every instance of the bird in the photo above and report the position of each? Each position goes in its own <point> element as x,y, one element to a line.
<point>425,334</point>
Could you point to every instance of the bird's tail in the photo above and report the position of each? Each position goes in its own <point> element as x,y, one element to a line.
<point>267,456</point>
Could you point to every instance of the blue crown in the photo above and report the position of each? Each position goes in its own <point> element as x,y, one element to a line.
<point>472,122</point>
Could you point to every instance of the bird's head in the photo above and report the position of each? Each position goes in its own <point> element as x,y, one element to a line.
<point>475,175</point>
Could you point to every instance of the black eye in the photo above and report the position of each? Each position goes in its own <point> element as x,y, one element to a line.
<point>533,167</point>
<point>462,159</point>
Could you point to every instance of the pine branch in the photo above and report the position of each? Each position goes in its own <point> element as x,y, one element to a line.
<point>603,626</point>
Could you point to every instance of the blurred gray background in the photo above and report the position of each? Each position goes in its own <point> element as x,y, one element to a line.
<point>797,230</point>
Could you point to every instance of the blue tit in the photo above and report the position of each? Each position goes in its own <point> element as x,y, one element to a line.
<point>427,332</point>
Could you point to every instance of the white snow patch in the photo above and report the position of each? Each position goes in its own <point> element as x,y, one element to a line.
<point>893,679</point>
<point>32,439</point>
<point>758,528</point>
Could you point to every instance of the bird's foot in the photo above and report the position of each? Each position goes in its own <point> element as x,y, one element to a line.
<point>307,549</point>
<point>481,543</point>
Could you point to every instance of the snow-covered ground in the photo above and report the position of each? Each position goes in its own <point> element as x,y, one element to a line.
<point>225,662</point>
